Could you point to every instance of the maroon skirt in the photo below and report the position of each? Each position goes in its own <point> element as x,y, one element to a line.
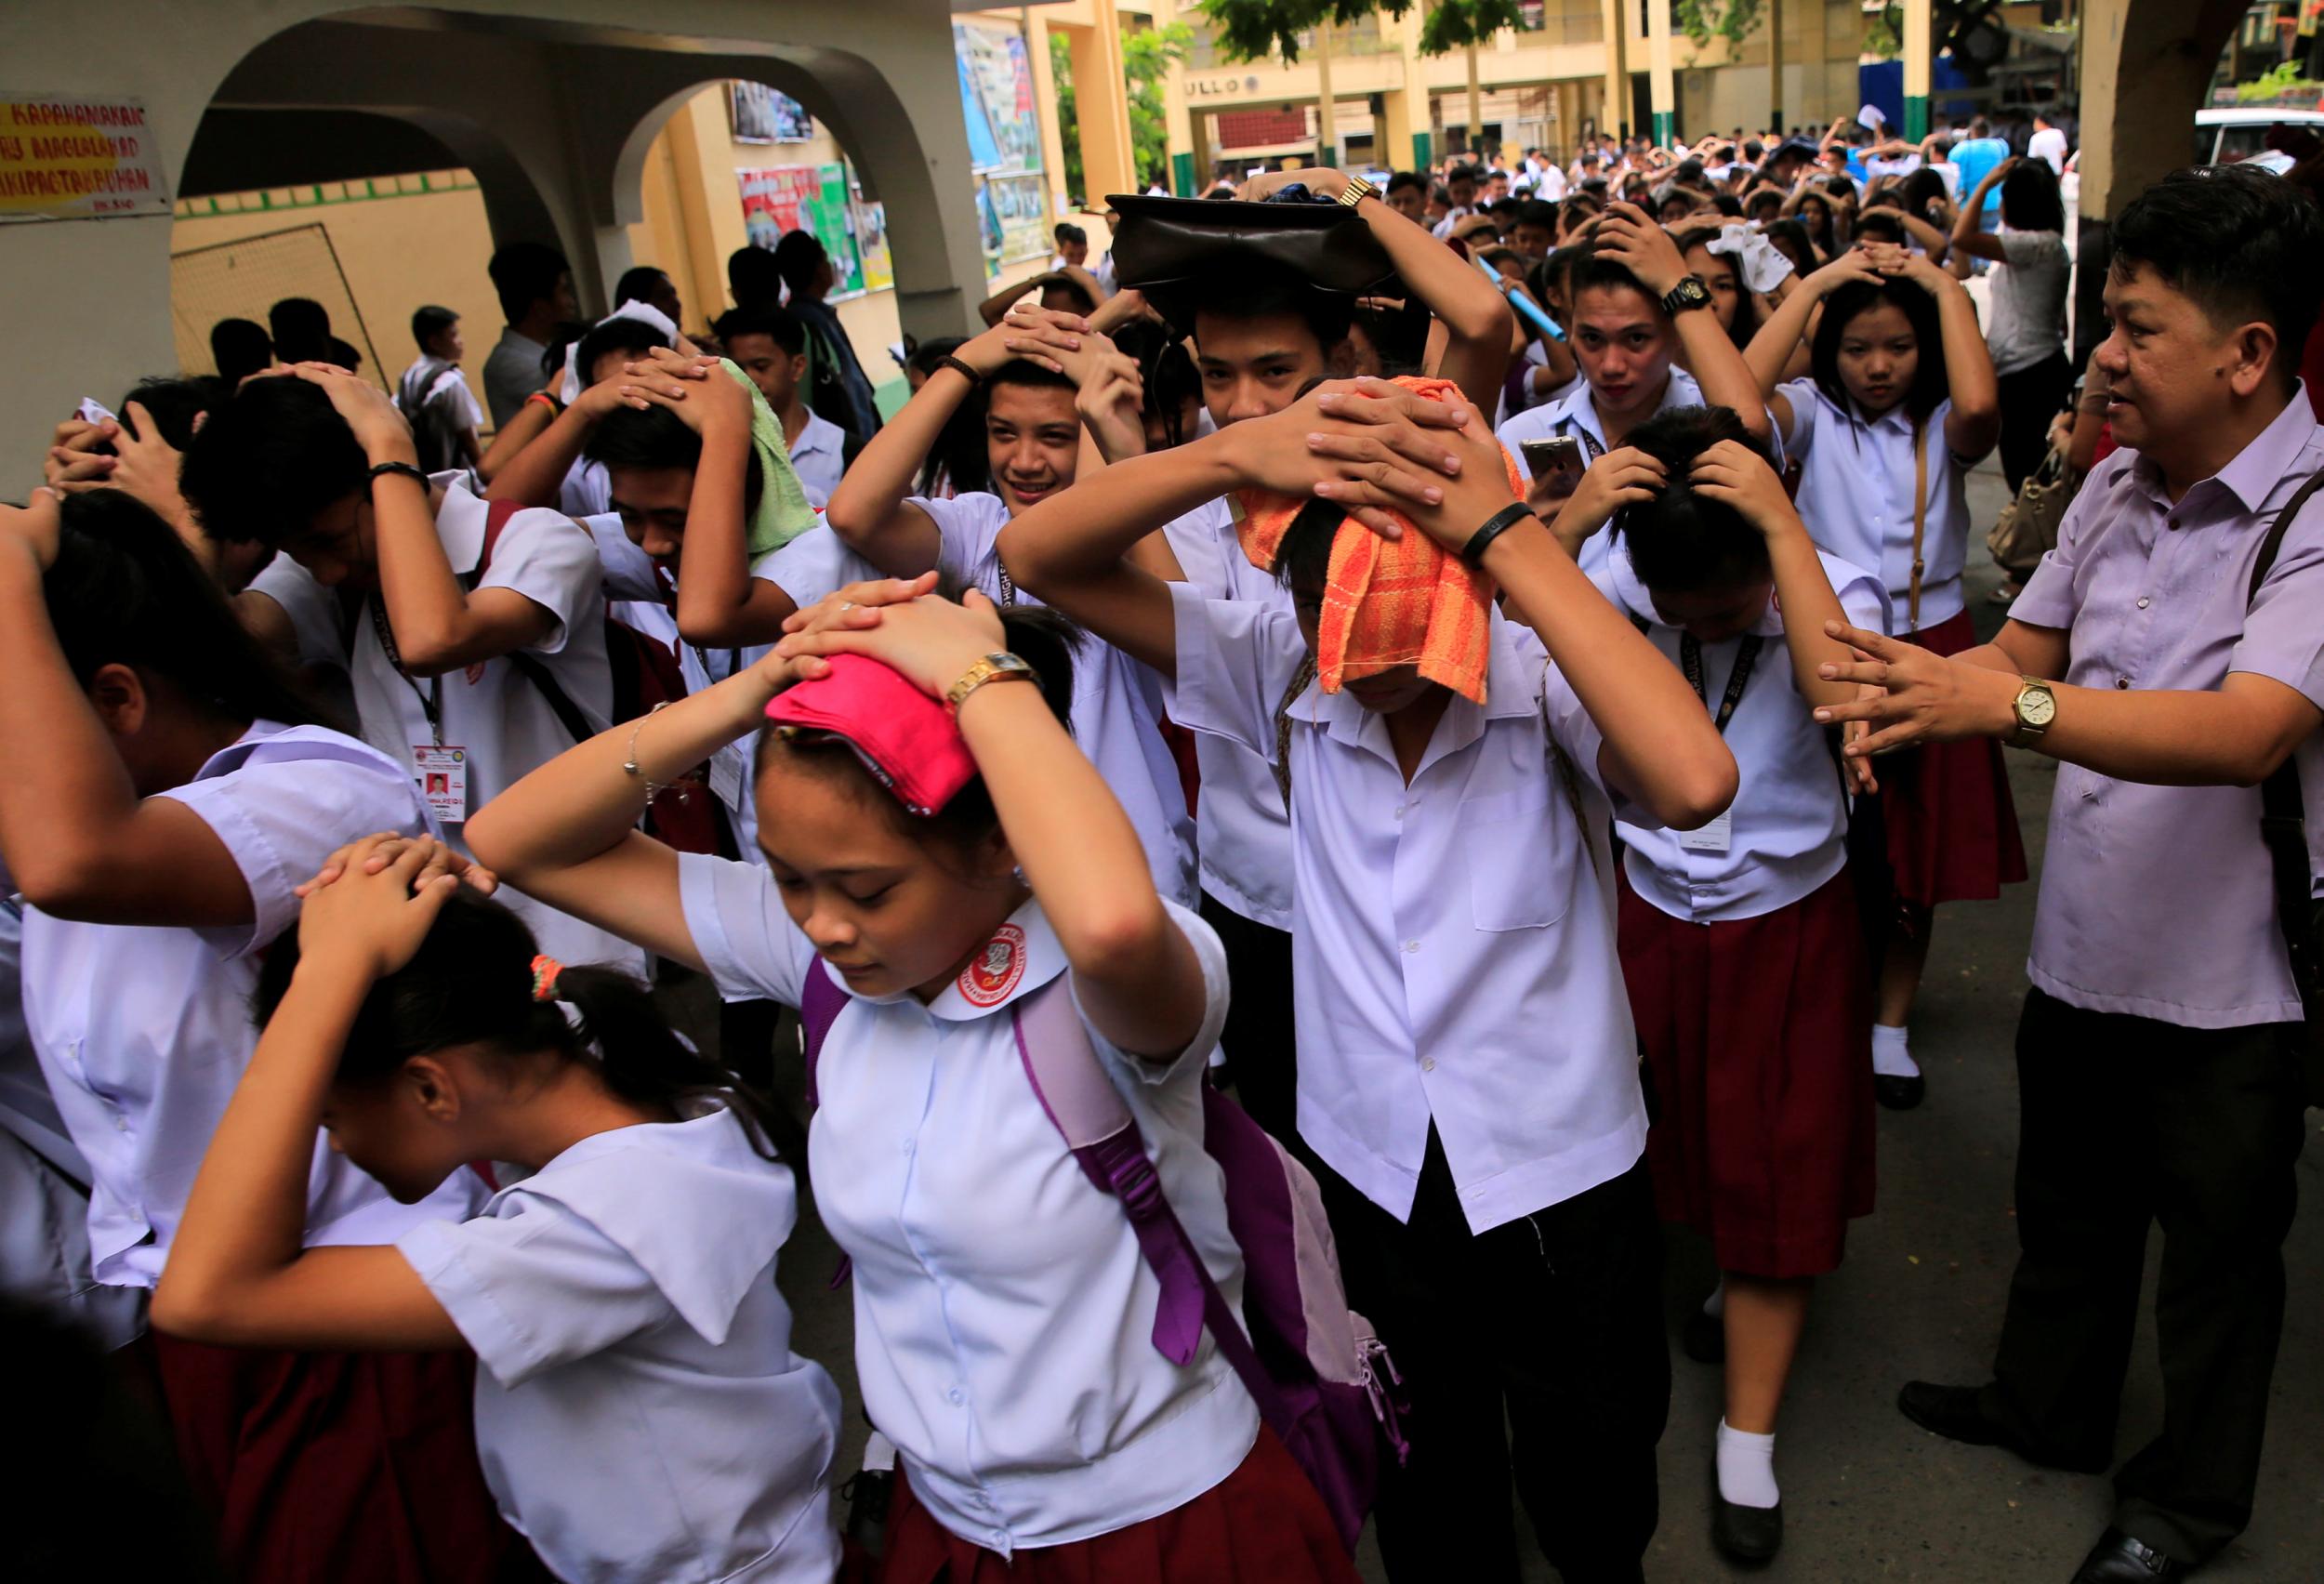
<point>1951,823</point>
<point>1263,1523</point>
<point>1757,1035</point>
<point>358,1468</point>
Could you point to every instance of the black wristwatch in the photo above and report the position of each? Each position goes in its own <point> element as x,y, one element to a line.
<point>1688,294</point>
<point>403,469</point>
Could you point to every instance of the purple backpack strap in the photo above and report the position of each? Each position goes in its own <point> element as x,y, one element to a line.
<point>1096,1124</point>
<point>820,1002</point>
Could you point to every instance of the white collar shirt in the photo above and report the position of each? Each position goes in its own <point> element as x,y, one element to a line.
<point>1789,824</point>
<point>1242,829</point>
<point>1856,498</point>
<point>1003,1311</point>
<point>1575,412</point>
<point>1453,939</point>
<point>819,457</point>
<point>492,711</point>
<point>143,1031</point>
<point>639,1413</point>
<point>1117,705</point>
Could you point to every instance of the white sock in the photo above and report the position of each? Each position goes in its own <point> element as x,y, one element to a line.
<point>1716,1304</point>
<point>1892,1056</point>
<point>1747,1468</point>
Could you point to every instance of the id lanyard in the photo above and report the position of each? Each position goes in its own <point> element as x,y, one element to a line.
<point>431,701</point>
<point>1691,661</point>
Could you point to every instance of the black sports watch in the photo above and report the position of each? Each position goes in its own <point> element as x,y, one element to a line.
<point>1690,293</point>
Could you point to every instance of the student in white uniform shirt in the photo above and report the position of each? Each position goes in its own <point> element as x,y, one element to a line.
<point>1029,371</point>
<point>179,790</point>
<point>467,673</point>
<point>1741,945</point>
<point>1003,1309</point>
<point>770,345</point>
<point>1903,391</point>
<point>1468,1068</point>
<point>1635,312</point>
<point>639,1409</point>
<point>433,394</point>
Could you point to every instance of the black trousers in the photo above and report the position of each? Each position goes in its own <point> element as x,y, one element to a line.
<point>2127,1121</point>
<point>1534,1351</point>
<point>2031,399</point>
<point>1261,1043</point>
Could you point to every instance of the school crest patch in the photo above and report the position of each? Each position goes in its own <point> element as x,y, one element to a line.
<point>994,971</point>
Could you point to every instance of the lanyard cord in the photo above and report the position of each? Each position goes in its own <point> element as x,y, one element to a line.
<point>1691,661</point>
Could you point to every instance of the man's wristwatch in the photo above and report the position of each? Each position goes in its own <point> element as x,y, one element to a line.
<point>1355,192</point>
<point>2035,706</point>
<point>1690,293</point>
<point>997,667</point>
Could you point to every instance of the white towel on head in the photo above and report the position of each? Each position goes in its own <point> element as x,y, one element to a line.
<point>643,311</point>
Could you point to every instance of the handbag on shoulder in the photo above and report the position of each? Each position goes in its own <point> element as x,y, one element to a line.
<point>2027,528</point>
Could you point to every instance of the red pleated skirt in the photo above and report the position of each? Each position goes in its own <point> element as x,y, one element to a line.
<point>358,1468</point>
<point>1757,1033</point>
<point>1263,1523</point>
<point>1950,822</point>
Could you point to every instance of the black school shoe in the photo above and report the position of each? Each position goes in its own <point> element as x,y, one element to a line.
<point>1743,1534</point>
<point>1704,1337</point>
<point>2119,1558</point>
<point>1957,1414</point>
<point>1898,1093</point>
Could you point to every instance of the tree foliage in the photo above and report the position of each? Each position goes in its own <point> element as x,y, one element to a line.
<point>1703,21</point>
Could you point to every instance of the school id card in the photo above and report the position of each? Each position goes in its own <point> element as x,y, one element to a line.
<point>441,774</point>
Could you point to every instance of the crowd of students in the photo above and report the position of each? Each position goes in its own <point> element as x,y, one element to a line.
<point>1519,753</point>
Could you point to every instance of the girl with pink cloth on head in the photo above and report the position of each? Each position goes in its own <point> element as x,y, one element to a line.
<point>938,845</point>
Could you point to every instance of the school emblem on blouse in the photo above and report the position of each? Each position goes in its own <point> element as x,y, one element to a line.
<point>994,971</point>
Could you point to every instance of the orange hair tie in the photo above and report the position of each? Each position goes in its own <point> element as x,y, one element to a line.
<point>545,971</point>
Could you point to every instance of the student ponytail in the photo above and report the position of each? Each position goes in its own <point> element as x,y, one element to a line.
<point>126,591</point>
<point>477,980</point>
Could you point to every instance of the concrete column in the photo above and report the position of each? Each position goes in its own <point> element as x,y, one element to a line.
<point>1920,46</point>
<point>1326,102</point>
<point>1102,103</point>
<point>1661,85</point>
<point>1775,65</point>
<point>1391,130</point>
<point>1045,104</point>
<point>1614,118</point>
<point>1178,128</point>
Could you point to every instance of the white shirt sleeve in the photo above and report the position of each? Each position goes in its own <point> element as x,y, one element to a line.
<point>280,818</point>
<point>970,528</point>
<point>1804,396</point>
<point>814,566</point>
<point>750,945</point>
<point>1211,954</point>
<point>551,560</point>
<point>312,609</point>
<point>1234,660</point>
<point>534,1289</point>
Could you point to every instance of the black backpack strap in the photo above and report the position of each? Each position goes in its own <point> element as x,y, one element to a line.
<point>2283,815</point>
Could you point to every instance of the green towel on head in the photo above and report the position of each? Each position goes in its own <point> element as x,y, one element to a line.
<point>783,513</point>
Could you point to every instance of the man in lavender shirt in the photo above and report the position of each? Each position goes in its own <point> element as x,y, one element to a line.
<point>2157,1054</point>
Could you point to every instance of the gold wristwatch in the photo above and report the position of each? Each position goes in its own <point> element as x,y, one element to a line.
<point>2036,707</point>
<point>1355,192</point>
<point>999,668</point>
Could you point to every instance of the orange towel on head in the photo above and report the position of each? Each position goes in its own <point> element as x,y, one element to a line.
<point>1404,602</point>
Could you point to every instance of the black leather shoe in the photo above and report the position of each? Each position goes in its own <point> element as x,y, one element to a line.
<point>2119,1558</point>
<point>1955,1413</point>
<point>1744,1534</point>
<point>1899,1093</point>
<point>1704,1338</point>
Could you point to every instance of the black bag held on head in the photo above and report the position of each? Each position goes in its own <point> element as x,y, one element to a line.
<point>2284,826</point>
<point>1175,249</point>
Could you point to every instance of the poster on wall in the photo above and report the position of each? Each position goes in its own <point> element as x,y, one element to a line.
<point>871,239</point>
<point>996,96</point>
<point>67,158</point>
<point>755,114</point>
<point>820,201</point>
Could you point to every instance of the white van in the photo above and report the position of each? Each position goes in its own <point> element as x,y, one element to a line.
<point>2224,137</point>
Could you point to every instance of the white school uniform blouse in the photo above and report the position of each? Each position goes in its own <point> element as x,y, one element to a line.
<point>1242,830</point>
<point>639,1414</point>
<point>1856,497</point>
<point>1116,703</point>
<point>1576,413</point>
<point>1788,824</point>
<point>1453,940</point>
<point>143,1031</point>
<point>492,710</point>
<point>819,457</point>
<point>1004,1316</point>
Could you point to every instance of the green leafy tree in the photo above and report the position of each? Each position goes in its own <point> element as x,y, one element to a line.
<point>1703,21</point>
<point>1147,55</point>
